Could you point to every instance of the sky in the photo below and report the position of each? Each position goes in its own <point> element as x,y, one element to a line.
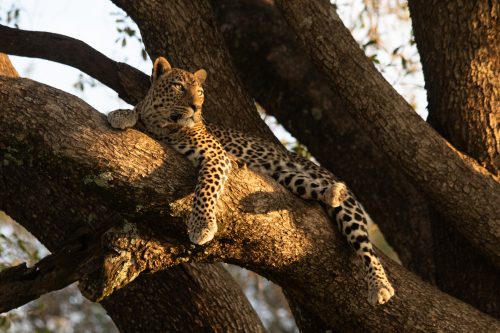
<point>89,21</point>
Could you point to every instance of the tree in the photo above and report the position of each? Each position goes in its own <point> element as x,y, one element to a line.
<point>111,212</point>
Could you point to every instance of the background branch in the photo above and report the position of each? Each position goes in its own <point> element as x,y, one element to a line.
<point>21,284</point>
<point>130,83</point>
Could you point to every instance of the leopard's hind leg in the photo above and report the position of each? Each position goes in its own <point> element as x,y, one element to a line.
<point>353,223</point>
<point>307,187</point>
<point>351,218</point>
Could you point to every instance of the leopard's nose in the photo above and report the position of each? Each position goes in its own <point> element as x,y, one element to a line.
<point>193,106</point>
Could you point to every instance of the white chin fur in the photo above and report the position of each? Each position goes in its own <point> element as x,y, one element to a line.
<point>188,122</point>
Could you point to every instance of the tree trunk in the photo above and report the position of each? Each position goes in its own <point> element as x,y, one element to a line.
<point>458,44</point>
<point>185,32</point>
<point>184,298</point>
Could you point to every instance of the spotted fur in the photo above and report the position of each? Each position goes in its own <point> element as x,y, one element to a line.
<point>171,112</point>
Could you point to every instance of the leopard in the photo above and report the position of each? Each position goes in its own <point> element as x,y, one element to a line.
<point>171,112</point>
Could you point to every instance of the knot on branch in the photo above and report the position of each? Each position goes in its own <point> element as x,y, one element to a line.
<point>129,250</point>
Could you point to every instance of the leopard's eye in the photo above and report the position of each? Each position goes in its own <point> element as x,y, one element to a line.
<point>178,86</point>
<point>200,93</point>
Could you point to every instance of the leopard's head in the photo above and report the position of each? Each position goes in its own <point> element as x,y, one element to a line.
<point>176,95</point>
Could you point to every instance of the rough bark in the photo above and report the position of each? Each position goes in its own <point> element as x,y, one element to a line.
<point>281,77</point>
<point>306,301</point>
<point>455,183</point>
<point>209,307</point>
<point>458,44</point>
<point>263,227</point>
<point>186,32</point>
<point>461,59</point>
<point>284,81</point>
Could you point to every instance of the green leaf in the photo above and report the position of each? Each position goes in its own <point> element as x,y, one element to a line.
<point>4,323</point>
<point>370,42</point>
<point>374,59</point>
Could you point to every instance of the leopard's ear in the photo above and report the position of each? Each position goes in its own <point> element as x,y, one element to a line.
<point>200,75</point>
<point>160,67</point>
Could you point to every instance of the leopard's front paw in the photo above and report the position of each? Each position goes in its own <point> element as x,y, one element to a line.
<point>201,229</point>
<point>380,292</point>
<point>122,118</point>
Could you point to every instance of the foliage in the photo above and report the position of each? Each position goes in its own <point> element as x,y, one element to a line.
<point>383,30</point>
<point>126,29</point>
<point>12,14</point>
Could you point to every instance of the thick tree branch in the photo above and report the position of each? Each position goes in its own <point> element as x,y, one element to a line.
<point>456,184</point>
<point>130,83</point>
<point>460,59</point>
<point>263,56</point>
<point>263,227</point>
<point>459,50</point>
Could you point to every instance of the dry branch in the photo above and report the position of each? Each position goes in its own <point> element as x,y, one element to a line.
<point>21,284</point>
